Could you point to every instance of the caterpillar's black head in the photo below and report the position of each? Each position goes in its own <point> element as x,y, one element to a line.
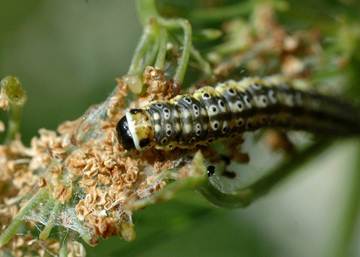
<point>124,135</point>
<point>135,130</point>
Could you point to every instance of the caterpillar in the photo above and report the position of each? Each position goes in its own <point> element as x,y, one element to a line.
<point>231,108</point>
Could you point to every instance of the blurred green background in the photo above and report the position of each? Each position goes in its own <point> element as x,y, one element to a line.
<point>68,53</point>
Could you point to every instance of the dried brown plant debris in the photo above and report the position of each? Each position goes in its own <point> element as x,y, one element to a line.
<point>157,86</point>
<point>86,170</point>
<point>266,44</point>
<point>22,246</point>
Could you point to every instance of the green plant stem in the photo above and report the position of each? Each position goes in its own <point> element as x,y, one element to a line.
<point>11,230</point>
<point>146,9</point>
<point>151,55</point>
<point>63,247</point>
<point>149,16</point>
<point>161,57</point>
<point>187,44</point>
<point>265,184</point>
<point>247,195</point>
<point>14,123</point>
<point>195,216</point>
<point>13,92</point>
<point>51,222</point>
<point>136,65</point>
<point>204,65</point>
<point>349,215</point>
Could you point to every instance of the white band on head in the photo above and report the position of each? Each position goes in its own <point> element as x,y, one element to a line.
<point>132,130</point>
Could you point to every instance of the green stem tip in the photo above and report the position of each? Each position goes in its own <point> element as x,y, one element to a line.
<point>51,222</point>
<point>12,89</point>
<point>13,92</point>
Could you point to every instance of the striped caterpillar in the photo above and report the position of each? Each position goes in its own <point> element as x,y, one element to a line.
<point>231,108</point>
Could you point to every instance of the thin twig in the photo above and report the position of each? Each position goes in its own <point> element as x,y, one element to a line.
<point>140,51</point>
<point>63,247</point>
<point>13,91</point>
<point>205,66</point>
<point>146,9</point>
<point>187,44</point>
<point>11,230</point>
<point>161,57</point>
<point>349,214</point>
<point>51,222</point>
<point>243,197</point>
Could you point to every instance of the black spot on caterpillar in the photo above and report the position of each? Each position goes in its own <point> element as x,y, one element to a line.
<point>232,107</point>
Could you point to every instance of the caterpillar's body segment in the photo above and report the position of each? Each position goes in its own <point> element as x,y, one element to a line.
<point>231,108</point>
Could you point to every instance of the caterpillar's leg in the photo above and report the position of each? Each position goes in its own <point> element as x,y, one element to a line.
<point>223,158</point>
<point>221,167</point>
<point>279,140</point>
<point>235,152</point>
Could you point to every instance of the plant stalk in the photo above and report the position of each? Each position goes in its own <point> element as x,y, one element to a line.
<point>243,197</point>
<point>350,213</point>
<point>11,230</point>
